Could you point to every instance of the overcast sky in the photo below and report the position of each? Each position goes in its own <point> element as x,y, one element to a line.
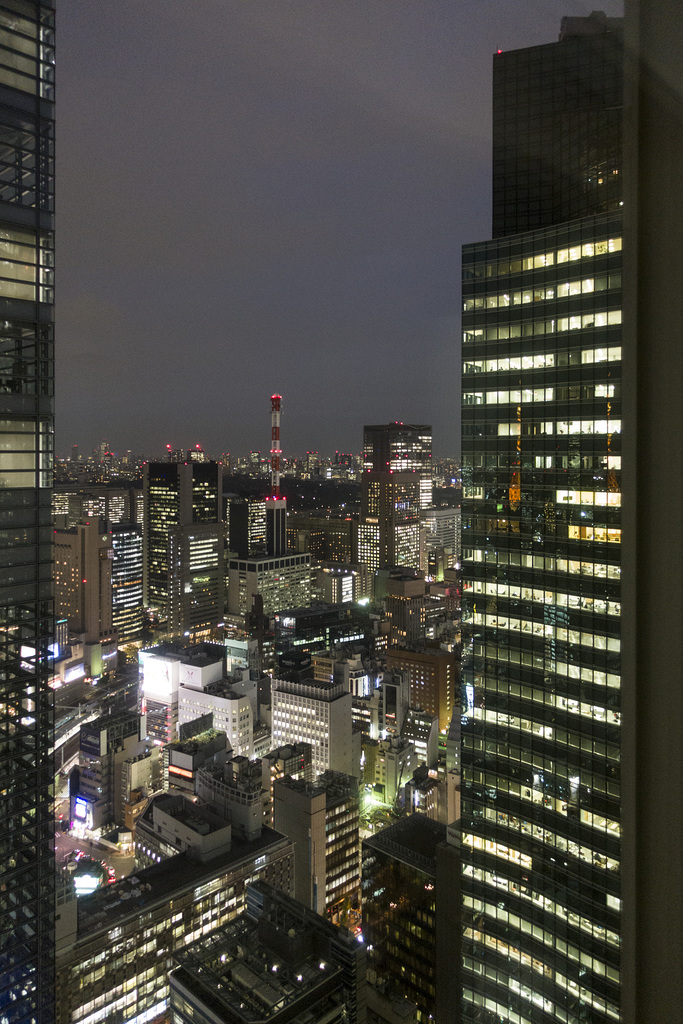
<point>271,195</point>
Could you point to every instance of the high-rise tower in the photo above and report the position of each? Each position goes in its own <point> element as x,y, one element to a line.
<point>26,426</point>
<point>395,486</point>
<point>540,827</point>
<point>183,543</point>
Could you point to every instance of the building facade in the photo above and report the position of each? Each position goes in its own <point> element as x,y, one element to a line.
<point>396,485</point>
<point>163,670</point>
<point>277,962</point>
<point>541,420</point>
<point>126,581</point>
<point>319,714</point>
<point>399,911</point>
<point>183,543</point>
<point>104,746</point>
<point>322,819</point>
<point>231,710</point>
<point>282,582</point>
<point>83,580</point>
<point>433,675</point>
<point>26,446</point>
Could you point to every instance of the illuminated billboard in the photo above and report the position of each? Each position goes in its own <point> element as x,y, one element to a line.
<point>159,677</point>
<point>82,813</point>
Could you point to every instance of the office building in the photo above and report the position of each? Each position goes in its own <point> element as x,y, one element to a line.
<point>183,544</point>
<point>426,794</point>
<point>317,627</point>
<point>341,584</point>
<point>421,728</point>
<point>282,582</point>
<point>26,446</point>
<point>71,505</point>
<point>277,962</point>
<point>126,581</point>
<point>396,485</point>
<point>405,604</point>
<point>328,540</point>
<point>246,525</point>
<point>439,540</point>
<point>388,764</point>
<point>198,745</point>
<point>235,790</point>
<point>318,713</point>
<point>231,709</point>
<point>322,819</point>
<point>83,587</point>
<point>400,448</point>
<point>119,940</point>
<point>140,776</point>
<point>394,701</point>
<point>541,809</point>
<point>433,676</point>
<point>196,586</point>
<point>399,911</point>
<point>295,759</point>
<point>652,692</point>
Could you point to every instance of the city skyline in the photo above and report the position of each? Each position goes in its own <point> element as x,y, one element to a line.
<point>353,142</point>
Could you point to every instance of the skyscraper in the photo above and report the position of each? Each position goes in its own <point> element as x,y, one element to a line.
<point>183,543</point>
<point>26,426</point>
<point>540,827</point>
<point>396,485</point>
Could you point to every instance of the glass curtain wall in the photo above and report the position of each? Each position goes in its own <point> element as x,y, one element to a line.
<point>541,543</point>
<point>26,445</point>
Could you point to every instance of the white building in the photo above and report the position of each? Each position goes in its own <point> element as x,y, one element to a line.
<point>232,712</point>
<point>440,528</point>
<point>318,713</point>
<point>163,669</point>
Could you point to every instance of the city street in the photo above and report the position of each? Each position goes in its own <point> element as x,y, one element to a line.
<point>65,844</point>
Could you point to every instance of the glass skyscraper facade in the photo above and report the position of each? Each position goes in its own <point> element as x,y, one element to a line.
<point>541,422</point>
<point>26,442</point>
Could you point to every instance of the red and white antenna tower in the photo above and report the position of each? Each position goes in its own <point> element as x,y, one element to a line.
<point>275,450</point>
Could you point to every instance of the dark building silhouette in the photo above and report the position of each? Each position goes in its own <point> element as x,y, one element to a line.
<point>557,128</point>
<point>26,444</point>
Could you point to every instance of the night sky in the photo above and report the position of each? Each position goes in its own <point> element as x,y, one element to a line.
<point>271,195</point>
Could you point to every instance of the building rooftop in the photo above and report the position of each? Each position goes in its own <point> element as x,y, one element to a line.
<point>412,840</point>
<point>277,959</point>
<point>199,819</point>
<point>195,743</point>
<point>156,885</point>
<point>333,784</point>
<point>200,655</point>
<point>288,750</point>
<point>223,688</point>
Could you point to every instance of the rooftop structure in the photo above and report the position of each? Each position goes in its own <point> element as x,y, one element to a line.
<point>277,962</point>
<point>173,823</point>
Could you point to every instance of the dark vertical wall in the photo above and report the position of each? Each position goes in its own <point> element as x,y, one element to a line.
<point>653,522</point>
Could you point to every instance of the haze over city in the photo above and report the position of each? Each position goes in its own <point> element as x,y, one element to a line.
<point>271,197</point>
